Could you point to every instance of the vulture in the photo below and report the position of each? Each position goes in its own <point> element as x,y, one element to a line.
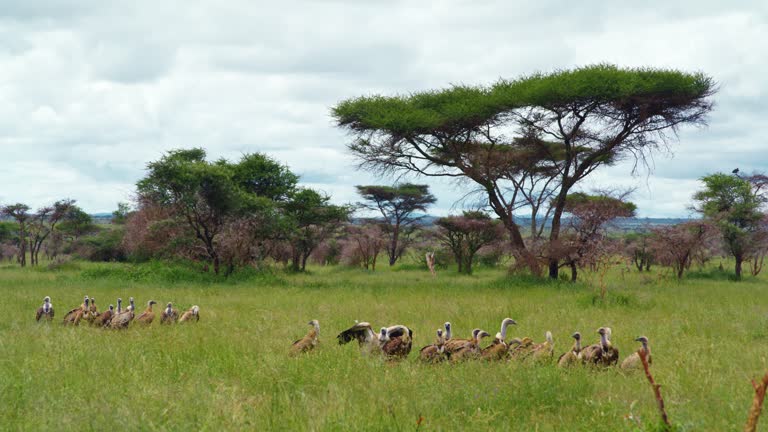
<point>574,355</point>
<point>170,315</point>
<point>192,314</point>
<point>367,340</point>
<point>119,305</point>
<point>471,350</point>
<point>397,343</point>
<point>148,315</point>
<point>434,353</point>
<point>124,318</point>
<point>633,361</point>
<point>602,353</point>
<point>521,348</point>
<point>46,310</point>
<point>498,349</point>
<point>452,345</point>
<point>75,315</point>
<point>544,350</point>
<point>106,317</point>
<point>308,342</point>
<point>93,311</point>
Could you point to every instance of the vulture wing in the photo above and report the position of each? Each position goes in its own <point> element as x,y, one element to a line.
<point>356,332</point>
<point>39,313</point>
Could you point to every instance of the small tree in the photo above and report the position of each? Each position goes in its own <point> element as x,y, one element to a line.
<point>43,223</point>
<point>637,248</point>
<point>20,212</point>
<point>312,219</point>
<point>120,216</point>
<point>733,204</point>
<point>362,245</point>
<point>397,205</point>
<point>591,215</point>
<point>675,246</point>
<point>464,235</point>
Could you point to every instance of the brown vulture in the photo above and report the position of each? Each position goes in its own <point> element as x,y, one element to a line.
<point>106,317</point>
<point>148,315</point>
<point>398,340</point>
<point>75,315</point>
<point>633,361</point>
<point>309,341</point>
<point>46,310</point>
<point>434,353</point>
<point>602,353</point>
<point>169,315</point>
<point>498,349</point>
<point>471,350</point>
<point>362,332</point>
<point>544,350</point>
<point>193,314</point>
<point>452,345</point>
<point>124,318</point>
<point>574,355</point>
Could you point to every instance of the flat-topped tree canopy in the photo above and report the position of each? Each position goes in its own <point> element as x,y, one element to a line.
<point>527,140</point>
<point>648,92</point>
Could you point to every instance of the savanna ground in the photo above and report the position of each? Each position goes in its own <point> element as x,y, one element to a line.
<point>231,371</point>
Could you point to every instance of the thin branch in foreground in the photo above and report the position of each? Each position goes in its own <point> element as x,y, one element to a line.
<point>656,388</point>
<point>757,403</point>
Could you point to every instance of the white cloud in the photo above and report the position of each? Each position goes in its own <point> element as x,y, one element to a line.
<point>90,91</point>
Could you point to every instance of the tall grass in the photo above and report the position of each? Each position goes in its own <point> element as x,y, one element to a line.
<point>230,371</point>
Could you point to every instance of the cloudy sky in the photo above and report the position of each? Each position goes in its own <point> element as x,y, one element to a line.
<point>90,92</point>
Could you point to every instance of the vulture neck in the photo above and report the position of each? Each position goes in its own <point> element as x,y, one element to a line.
<point>504,326</point>
<point>317,329</point>
<point>646,348</point>
<point>119,306</point>
<point>604,344</point>
<point>577,346</point>
<point>168,310</point>
<point>448,332</point>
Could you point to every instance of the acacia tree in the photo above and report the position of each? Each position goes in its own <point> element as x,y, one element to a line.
<point>734,203</point>
<point>464,235</point>
<point>43,223</point>
<point>590,217</point>
<point>20,212</point>
<point>362,245</point>
<point>637,248</point>
<point>553,128</point>
<point>397,205</point>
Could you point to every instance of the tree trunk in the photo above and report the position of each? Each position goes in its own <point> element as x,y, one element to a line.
<point>574,272</point>
<point>739,261</point>
<point>393,245</point>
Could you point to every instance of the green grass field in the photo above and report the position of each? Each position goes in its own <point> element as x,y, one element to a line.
<point>231,371</point>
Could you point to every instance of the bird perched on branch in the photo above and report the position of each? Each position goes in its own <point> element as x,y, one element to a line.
<point>45,311</point>
<point>169,315</point>
<point>309,341</point>
<point>574,355</point>
<point>193,314</point>
<point>633,361</point>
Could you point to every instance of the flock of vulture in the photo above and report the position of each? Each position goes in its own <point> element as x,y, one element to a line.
<point>116,319</point>
<point>395,342</point>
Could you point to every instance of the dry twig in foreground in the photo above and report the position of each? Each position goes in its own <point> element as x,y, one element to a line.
<point>757,403</point>
<point>644,358</point>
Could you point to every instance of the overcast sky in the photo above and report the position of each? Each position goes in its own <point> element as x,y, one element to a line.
<point>90,92</point>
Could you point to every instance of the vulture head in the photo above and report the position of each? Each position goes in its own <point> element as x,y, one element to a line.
<point>132,307</point>
<point>150,303</point>
<point>642,339</point>
<point>315,324</point>
<point>168,308</point>
<point>111,308</point>
<point>47,299</point>
<point>504,324</point>
<point>87,301</point>
<point>383,335</point>
<point>195,310</point>
<point>447,330</point>
<point>576,336</point>
<point>475,332</point>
